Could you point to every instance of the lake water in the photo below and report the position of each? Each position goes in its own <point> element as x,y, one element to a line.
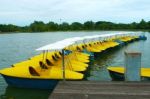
<point>17,47</point>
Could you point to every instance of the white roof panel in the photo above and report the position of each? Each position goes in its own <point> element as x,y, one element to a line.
<point>56,46</point>
<point>59,45</point>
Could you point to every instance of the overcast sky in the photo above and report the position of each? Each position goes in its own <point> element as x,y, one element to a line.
<point>23,12</point>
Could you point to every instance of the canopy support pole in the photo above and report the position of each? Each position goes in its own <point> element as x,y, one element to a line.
<point>63,65</point>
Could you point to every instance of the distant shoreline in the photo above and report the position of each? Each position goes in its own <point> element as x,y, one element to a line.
<point>39,26</point>
<point>78,31</point>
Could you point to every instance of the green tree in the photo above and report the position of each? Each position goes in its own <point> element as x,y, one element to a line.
<point>103,25</point>
<point>148,23</point>
<point>64,26</point>
<point>89,25</point>
<point>51,26</point>
<point>76,26</point>
<point>38,26</point>
<point>9,28</point>
<point>142,24</point>
<point>133,25</point>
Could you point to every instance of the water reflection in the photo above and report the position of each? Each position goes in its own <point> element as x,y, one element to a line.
<point>21,93</point>
<point>100,75</point>
<point>99,70</point>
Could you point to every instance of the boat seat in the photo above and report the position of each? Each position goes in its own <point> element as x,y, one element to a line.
<point>49,63</point>
<point>60,53</point>
<point>42,65</point>
<point>78,48</point>
<point>33,72</point>
<point>90,45</point>
<point>83,46</point>
<point>54,58</point>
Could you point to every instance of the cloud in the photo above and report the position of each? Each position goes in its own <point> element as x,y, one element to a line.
<point>23,12</point>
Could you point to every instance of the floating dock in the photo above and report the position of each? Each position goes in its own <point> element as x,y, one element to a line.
<point>101,90</point>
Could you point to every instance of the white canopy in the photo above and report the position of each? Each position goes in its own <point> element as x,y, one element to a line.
<point>56,46</point>
<point>74,39</point>
<point>59,45</point>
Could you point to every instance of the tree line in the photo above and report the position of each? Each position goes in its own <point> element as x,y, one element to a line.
<point>39,26</point>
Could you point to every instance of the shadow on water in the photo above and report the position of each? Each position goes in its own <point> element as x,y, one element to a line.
<point>99,70</point>
<point>22,93</point>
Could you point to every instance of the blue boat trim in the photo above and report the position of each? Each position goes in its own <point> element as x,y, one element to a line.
<point>30,83</point>
<point>142,37</point>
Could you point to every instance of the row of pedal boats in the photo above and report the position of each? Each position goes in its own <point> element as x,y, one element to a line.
<point>43,71</point>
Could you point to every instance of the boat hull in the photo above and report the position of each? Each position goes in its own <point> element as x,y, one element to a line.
<point>120,76</point>
<point>116,76</point>
<point>30,83</point>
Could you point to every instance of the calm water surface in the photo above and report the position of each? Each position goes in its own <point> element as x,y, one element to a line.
<point>20,46</point>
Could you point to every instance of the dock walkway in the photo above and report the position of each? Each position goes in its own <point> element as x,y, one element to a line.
<point>101,90</point>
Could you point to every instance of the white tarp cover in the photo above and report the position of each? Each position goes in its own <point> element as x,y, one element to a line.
<point>59,45</point>
<point>56,46</point>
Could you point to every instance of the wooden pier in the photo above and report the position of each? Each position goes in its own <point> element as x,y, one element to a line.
<point>101,90</point>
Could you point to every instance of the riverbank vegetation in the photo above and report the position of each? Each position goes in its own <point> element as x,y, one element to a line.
<point>39,26</point>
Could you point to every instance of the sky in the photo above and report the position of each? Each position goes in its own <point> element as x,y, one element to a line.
<point>24,12</point>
